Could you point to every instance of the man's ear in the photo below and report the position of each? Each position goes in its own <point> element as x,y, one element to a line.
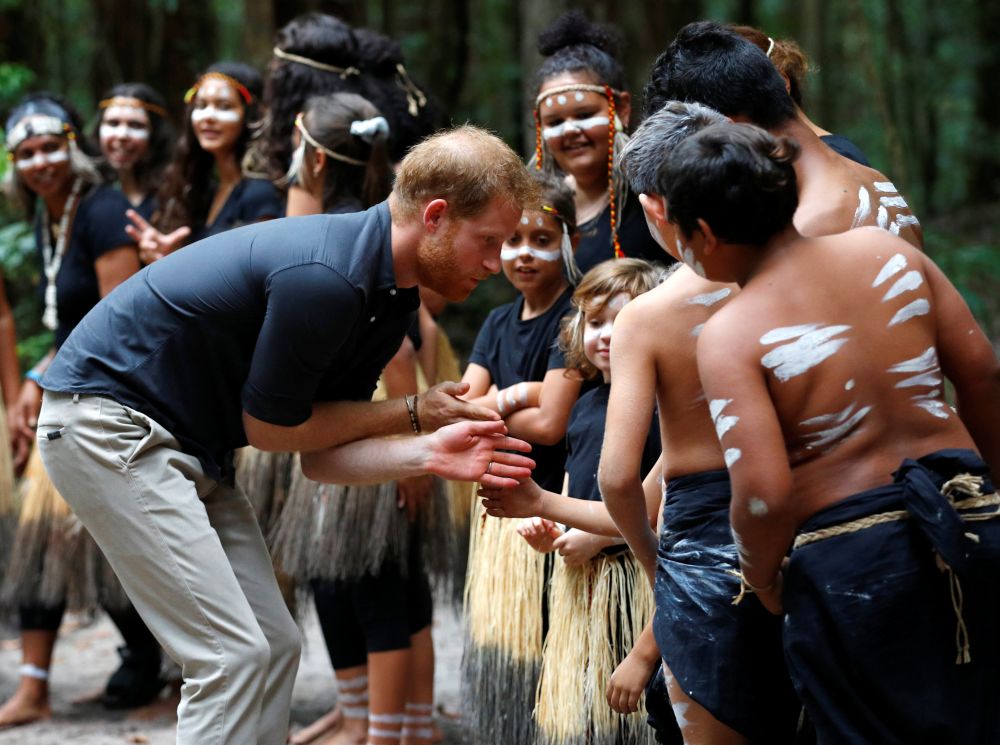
<point>711,240</point>
<point>435,211</point>
<point>655,208</point>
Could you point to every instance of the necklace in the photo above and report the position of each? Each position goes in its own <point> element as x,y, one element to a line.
<point>52,259</point>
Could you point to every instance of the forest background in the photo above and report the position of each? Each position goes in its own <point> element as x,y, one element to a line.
<point>913,82</point>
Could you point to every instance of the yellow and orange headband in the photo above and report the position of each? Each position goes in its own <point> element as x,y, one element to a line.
<point>244,92</point>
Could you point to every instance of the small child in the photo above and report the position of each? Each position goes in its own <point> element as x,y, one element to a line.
<point>599,599</point>
<point>517,368</point>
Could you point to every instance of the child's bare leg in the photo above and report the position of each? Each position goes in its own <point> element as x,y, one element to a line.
<point>698,726</point>
<point>352,705</point>
<point>418,724</point>
<point>30,701</point>
<point>388,674</point>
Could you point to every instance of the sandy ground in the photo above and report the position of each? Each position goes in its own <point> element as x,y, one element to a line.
<point>85,657</point>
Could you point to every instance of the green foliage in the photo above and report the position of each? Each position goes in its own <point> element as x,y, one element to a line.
<point>975,270</point>
<point>21,277</point>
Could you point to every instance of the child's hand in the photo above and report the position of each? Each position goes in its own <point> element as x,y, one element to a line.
<point>539,533</point>
<point>628,682</point>
<point>524,500</point>
<point>577,547</point>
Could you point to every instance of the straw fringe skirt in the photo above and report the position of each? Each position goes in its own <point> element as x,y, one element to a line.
<point>504,599</point>
<point>53,560</point>
<point>9,504</point>
<point>596,613</point>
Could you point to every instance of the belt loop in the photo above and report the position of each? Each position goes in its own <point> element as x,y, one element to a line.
<point>76,398</point>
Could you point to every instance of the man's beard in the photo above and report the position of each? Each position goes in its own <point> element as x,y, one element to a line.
<point>437,265</point>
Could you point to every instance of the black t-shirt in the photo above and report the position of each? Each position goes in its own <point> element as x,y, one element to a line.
<point>252,200</point>
<point>595,238</point>
<point>267,318</point>
<point>515,351</point>
<point>585,438</point>
<point>98,227</point>
<point>842,145</point>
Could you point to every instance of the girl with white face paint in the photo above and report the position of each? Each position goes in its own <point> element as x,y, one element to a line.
<point>204,189</point>
<point>136,140</point>
<point>581,115</point>
<point>593,570</point>
<point>84,252</point>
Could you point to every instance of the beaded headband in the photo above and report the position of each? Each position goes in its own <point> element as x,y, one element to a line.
<point>343,72</point>
<point>133,103</point>
<point>610,94</point>
<point>35,125</point>
<point>240,88</point>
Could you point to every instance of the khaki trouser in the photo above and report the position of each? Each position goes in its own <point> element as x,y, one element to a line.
<point>191,557</point>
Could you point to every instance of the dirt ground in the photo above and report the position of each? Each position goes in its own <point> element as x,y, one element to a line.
<point>85,657</point>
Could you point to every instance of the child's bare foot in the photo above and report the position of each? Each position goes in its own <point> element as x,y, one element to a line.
<point>326,724</point>
<point>23,708</point>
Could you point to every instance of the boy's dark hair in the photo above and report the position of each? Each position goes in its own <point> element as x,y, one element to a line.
<point>708,63</point>
<point>557,194</point>
<point>737,178</point>
<point>572,43</point>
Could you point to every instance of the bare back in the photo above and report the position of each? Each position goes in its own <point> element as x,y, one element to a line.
<point>836,194</point>
<point>850,355</point>
<point>662,327</point>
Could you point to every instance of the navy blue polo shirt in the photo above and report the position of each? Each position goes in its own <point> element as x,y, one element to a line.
<point>266,318</point>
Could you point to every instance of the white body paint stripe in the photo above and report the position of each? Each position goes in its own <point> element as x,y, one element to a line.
<point>864,207</point>
<point>909,281</point>
<point>732,455</point>
<point>787,332</point>
<point>926,360</point>
<point>220,115</point>
<point>937,408</point>
<point>883,218</point>
<point>803,354</point>
<point>884,186</point>
<point>893,266</point>
<point>917,308</point>
<point>574,125</point>
<point>509,254</point>
<point>708,299</point>
<point>893,202</point>
<point>847,422</point>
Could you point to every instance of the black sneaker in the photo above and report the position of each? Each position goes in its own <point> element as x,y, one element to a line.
<point>136,682</point>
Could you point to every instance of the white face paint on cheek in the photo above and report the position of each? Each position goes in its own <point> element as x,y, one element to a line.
<point>509,254</point>
<point>574,125</point>
<point>123,131</point>
<point>219,115</point>
<point>41,159</point>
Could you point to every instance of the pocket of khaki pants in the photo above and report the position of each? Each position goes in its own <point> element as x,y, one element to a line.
<point>129,432</point>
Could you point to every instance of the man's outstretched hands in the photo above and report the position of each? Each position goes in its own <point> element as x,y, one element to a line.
<point>524,500</point>
<point>152,243</point>
<point>441,406</point>
<point>474,451</point>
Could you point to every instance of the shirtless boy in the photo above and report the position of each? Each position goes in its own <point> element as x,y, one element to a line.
<point>724,667</point>
<point>825,378</point>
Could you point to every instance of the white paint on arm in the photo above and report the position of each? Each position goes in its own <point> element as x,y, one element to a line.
<point>886,187</point>
<point>891,268</point>
<point>722,423</point>
<point>864,208</point>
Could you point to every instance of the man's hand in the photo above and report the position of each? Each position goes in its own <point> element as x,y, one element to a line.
<point>441,406</point>
<point>577,547</point>
<point>539,533</point>
<point>152,243</point>
<point>474,451</point>
<point>412,492</point>
<point>524,500</point>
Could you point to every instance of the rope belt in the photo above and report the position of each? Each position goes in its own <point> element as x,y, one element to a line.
<point>964,484</point>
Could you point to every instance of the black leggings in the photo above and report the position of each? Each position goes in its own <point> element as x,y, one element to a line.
<point>138,638</point>
<point>376,613</point>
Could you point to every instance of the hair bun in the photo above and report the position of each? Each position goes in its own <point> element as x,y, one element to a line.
<point>574,28</point>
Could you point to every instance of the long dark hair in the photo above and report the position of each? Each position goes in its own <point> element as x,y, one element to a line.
<point>149,168</point>
<point>185,197</point>
<point>317,37</point>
